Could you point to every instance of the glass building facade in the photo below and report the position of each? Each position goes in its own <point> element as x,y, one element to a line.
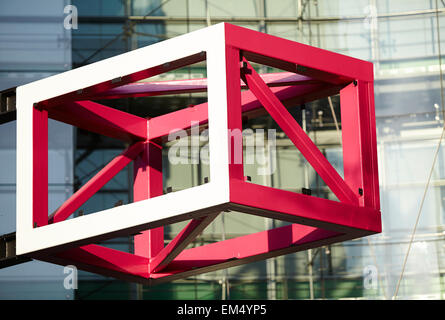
<point>401,37</point>
<point>33,45</point>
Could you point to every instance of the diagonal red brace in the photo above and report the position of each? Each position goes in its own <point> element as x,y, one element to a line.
<point>246,249</point>
<point>92,116</point>
<point>180,242</point>
<point>97,182</point>
<point>181,120</point>
<point>102,260</point>
<point>297,135</point>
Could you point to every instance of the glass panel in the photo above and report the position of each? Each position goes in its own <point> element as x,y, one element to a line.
<point>400,37</point>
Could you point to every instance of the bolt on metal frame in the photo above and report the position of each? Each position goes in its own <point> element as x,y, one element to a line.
<point>312,73</point>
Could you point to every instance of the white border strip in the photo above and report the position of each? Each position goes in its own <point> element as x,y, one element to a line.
<point>216,192</point>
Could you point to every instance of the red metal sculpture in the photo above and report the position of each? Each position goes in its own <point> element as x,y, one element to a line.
<point>311,73</point>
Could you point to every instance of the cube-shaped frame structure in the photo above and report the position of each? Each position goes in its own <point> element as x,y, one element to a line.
<point>312,73</point>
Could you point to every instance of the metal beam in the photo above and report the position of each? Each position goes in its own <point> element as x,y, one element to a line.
<point>251,107</point>
<point>8,257</point>
<point>158,88</point>
<point>89,93</point>
<point>147,183</point>
<point>180,242</point>
<point>97,182</point>
<point>8,105</point>
<point>246,249</point>
<point>218,19</point>
<point>297,135</point>
<point>92,116</point>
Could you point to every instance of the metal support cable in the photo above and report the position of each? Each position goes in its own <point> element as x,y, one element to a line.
<point>434,160</point>
<point>418,215</point>
<point>442,98</point>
